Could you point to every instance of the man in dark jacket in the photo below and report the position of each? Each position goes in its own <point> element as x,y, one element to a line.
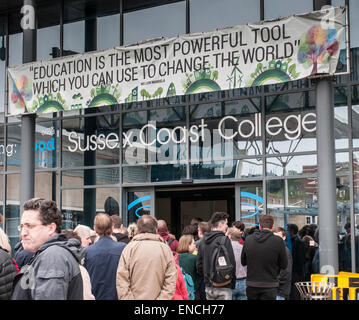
<point>285,275</point>
<point>298,254</point>
<point>53,272</point>
<point>205,262</point>
<point>22,256</point>
<point>264,255</point>
<point>101,259</point>
<point>7,274</point>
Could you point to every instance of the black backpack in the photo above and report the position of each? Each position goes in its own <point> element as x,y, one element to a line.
<point>222,269</point>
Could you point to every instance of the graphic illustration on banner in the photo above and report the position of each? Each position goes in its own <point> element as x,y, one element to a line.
<point>250,55</point>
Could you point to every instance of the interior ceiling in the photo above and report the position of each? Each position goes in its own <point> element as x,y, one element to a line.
<point>74,10</point>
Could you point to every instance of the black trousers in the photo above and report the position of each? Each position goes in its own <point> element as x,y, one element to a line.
<point>261,293</point>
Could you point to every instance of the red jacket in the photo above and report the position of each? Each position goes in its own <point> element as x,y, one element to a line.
<point>173,244</point>
<point>181,292</point>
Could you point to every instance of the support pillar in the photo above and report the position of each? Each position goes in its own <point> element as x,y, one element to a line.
<point>27,166</point>
<point>327,199</point>
<point>90,127</point>
<point>328,242</point>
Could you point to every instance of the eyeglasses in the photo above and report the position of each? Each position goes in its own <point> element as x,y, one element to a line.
<point>27,226</point>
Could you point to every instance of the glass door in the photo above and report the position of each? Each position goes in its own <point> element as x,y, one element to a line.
<point>249,203</point>
<point>138,201</point>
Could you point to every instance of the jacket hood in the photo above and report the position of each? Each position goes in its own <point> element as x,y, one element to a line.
<point>148,236</point>
<point>211,236</point>
<point>262,235</point>
<point>73,245</point>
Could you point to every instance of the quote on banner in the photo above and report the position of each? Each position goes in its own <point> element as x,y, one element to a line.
<point>249,55</point>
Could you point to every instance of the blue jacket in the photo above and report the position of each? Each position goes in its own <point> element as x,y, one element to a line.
<point>101,262</point>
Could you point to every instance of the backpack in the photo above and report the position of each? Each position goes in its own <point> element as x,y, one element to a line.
<point>189,284</point>
<point>222,269</point>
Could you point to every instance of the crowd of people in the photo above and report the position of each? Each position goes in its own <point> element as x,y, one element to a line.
<point>144,261</point>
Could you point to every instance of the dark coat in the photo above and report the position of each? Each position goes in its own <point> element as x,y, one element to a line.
<point>22,256</point>
<point>7,274</point>
<point>206,247</point>
<point>101,262</point>
<point>264,255</point>
<point>53,273</point>
<point>285,277</point>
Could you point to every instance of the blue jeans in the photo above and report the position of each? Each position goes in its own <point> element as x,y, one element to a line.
<point>280,298</point>
<point>239,293</point>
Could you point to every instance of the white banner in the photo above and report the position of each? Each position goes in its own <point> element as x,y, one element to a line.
<point>242,56</point>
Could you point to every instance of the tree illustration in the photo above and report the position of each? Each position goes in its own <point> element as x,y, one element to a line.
<point>317,46</point>
<point>234,74</point>
<point>229,79</point>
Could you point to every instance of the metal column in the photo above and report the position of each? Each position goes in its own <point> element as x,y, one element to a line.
<point>90,127</point>
<point>27,165</point>
<point>328,242</point>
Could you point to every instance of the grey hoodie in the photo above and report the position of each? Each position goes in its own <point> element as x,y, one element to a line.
<point>53,273</point>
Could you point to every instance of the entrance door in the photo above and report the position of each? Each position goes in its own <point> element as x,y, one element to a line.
<point>179,205</point>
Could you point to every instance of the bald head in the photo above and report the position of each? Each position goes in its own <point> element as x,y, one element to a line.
<point>162,226</point>
<point>103,224</point>
<point>147,224</point>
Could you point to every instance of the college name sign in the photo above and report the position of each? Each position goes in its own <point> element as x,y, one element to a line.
<point>242,56</point>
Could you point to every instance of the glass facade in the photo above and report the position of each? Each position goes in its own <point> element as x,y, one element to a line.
<point>81,158</point>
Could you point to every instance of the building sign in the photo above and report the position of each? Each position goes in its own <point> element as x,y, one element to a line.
<point>242,56</point>
<point>210,141</point>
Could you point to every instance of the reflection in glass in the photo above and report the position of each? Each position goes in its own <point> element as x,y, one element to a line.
<point>276,8</point>
<point>46,185</point>
<point>286,102</point>
<point>341,122</point>
<point>208,15</point>
<point>15,49</point>
<point>103,176</point>
<point>248,168</point>
<point>355,115</point>
<point>73,210</point>
<point>342,162</point>
<point>161,21</point>
<point>154,173</point>
<point>293,201</point>
<point>291,165</point>
<point>12,208</point>
<point>106,39</point>
<point>47,38</point>
<point>74,37</point>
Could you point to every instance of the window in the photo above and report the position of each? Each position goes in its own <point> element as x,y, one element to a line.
<point>163,21</point>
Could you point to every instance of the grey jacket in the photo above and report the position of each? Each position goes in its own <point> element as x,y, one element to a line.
<point>53,273</point>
